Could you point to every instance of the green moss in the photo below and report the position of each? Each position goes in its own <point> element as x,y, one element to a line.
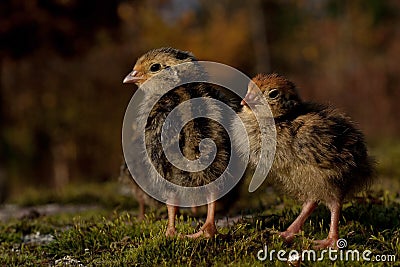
<point>113,237</point>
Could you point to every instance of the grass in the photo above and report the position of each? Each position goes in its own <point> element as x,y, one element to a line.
<point>114,237</point>
<point>109,234</point>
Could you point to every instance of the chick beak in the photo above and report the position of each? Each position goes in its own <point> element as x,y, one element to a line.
<point>250,98</point>
<point>133,77</point>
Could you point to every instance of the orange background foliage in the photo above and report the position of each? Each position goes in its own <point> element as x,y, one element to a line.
<point>62,62</point>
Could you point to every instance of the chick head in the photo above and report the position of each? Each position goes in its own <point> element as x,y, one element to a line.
<point>279,93</point>
<point>156,60</point>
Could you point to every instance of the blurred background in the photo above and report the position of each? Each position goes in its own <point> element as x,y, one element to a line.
<point>62,62</point>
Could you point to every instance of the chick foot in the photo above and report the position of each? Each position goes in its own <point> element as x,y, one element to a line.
<point>207,231</point>
<point>333,236</point>
<point>325,243</point>
<point>295,227</point>
<point>171,232</point>
<point>288,236</point>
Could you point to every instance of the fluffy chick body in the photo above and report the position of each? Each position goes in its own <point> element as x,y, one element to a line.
<point>320,155</point>
<point>190,136</point>
<point>197,129</point>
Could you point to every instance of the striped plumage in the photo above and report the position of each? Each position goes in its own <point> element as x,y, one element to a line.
<point>146,67</point>
<point>190,136</point>
<point>320,155</point>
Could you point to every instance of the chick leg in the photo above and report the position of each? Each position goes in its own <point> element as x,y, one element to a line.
<point>333,235</point>
<point>295,227</point>
<point>194,210</point>
<point>172,210</point>
<point>208,229</point>
<point>141,208</point>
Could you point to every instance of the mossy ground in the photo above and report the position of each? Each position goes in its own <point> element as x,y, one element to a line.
<point>109,234</point>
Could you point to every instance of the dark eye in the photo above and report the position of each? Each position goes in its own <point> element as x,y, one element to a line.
<point>273,93</point>
<point>155,67</point>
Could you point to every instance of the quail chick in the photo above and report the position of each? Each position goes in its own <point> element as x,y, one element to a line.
<point>320,155</point>
<point>146,67</point>
<point>126,180</point>
<point>142,198</point>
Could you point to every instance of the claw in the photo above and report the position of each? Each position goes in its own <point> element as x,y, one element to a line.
<point>171,232</point>
<point>288,236</point>
<point>325,243</point>
<point>207,231</point>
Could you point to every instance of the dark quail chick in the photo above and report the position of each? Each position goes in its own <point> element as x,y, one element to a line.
<point>129,184</point>
<point>133,189</point>
<point>320,155</point>
<point>142,198</point>
<point>191,134</point>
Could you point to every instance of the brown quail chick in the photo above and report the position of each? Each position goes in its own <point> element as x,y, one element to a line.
<point>126,180</point>
<point>129,184</point>
<point>142,198</point>
<point>146,67</point>
<point>320,155</point>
